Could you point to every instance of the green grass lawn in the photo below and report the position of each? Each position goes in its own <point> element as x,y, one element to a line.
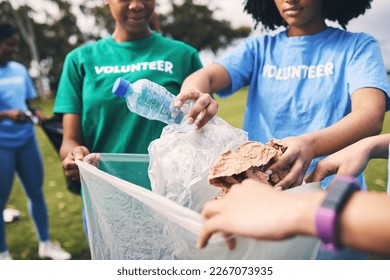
<point>65,207</point>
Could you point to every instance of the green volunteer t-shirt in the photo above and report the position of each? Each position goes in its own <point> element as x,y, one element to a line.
<point>89,73</point>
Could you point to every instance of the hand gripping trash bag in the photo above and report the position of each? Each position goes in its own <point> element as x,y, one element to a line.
<point>126,220</point>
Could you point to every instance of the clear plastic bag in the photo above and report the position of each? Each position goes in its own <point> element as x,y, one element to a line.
<point>126,220</point>
<point>180,162</point>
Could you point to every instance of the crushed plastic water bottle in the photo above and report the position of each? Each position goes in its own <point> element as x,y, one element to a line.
<point>151,101</point>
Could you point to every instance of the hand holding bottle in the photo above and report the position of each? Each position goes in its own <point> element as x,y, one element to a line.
<point>151,101</point>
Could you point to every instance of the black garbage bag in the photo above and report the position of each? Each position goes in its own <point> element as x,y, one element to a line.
<point>53,130</point>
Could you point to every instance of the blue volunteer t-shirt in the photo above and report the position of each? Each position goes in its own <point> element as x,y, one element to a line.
<point>15,88</point>
<point>302,84</point>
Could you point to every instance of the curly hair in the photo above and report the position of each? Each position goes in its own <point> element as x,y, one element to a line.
<point>342,11</point>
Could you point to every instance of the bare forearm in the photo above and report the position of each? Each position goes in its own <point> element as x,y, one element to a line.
<point>10,114</point>
<point>347,131</point>
<point>67,146</point>
<point>365,119</point>
<point>209,79</point>
<point>72,136</point>
<point>197,81</point>
<point>378,145</point>
<point>198,87</point>
<point>3,115</point>
<point>365,223</point>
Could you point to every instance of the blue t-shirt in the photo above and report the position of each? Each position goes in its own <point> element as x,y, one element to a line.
<point>15,88</point>
<point>302,84</point>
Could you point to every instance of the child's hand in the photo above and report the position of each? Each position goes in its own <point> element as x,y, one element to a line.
<point>203,110</point>
<point>40,115</point>
<point>350,161</point>
<point>16,115</point>
<point>256,210</point>
<point>297,157</point>
<point>69,163</point>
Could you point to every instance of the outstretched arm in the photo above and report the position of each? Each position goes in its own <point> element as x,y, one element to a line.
<point>352,160</point>
<point>255,210</point>
<point>365,119</point>
<point>198,87</point>
<point>13,114</point>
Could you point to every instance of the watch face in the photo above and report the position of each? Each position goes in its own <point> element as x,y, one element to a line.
<point>339,192</point>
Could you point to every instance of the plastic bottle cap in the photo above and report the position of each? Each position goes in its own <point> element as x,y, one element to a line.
<point>120,87</point>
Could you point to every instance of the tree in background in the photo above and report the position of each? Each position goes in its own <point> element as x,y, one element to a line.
<point>19,17</point>
<point>45,43</point>
<point>48,40</point>
<point>196,25</point>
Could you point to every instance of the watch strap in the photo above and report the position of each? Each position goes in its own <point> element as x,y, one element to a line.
<point>326,218</point>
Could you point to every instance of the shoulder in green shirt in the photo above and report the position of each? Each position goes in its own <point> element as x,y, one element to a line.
<point>86,88</point>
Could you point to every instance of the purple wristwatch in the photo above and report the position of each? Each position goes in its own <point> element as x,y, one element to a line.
<point>326,218</point>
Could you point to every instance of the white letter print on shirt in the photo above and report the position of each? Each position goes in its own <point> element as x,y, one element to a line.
<point>298,71</point>
<point>158,65</point>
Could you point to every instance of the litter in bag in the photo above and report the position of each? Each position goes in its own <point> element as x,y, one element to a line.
<point>146,207</point>
<point>180,162</point>
<point>127,221</point>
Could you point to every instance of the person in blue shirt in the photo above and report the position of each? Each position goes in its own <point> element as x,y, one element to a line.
<point>19,151</point>
<point>315,87</point>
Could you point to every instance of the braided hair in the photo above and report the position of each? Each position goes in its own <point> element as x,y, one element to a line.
<point>341,11</point>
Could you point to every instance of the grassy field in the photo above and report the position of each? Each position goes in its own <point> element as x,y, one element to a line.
<point>65,207</point>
